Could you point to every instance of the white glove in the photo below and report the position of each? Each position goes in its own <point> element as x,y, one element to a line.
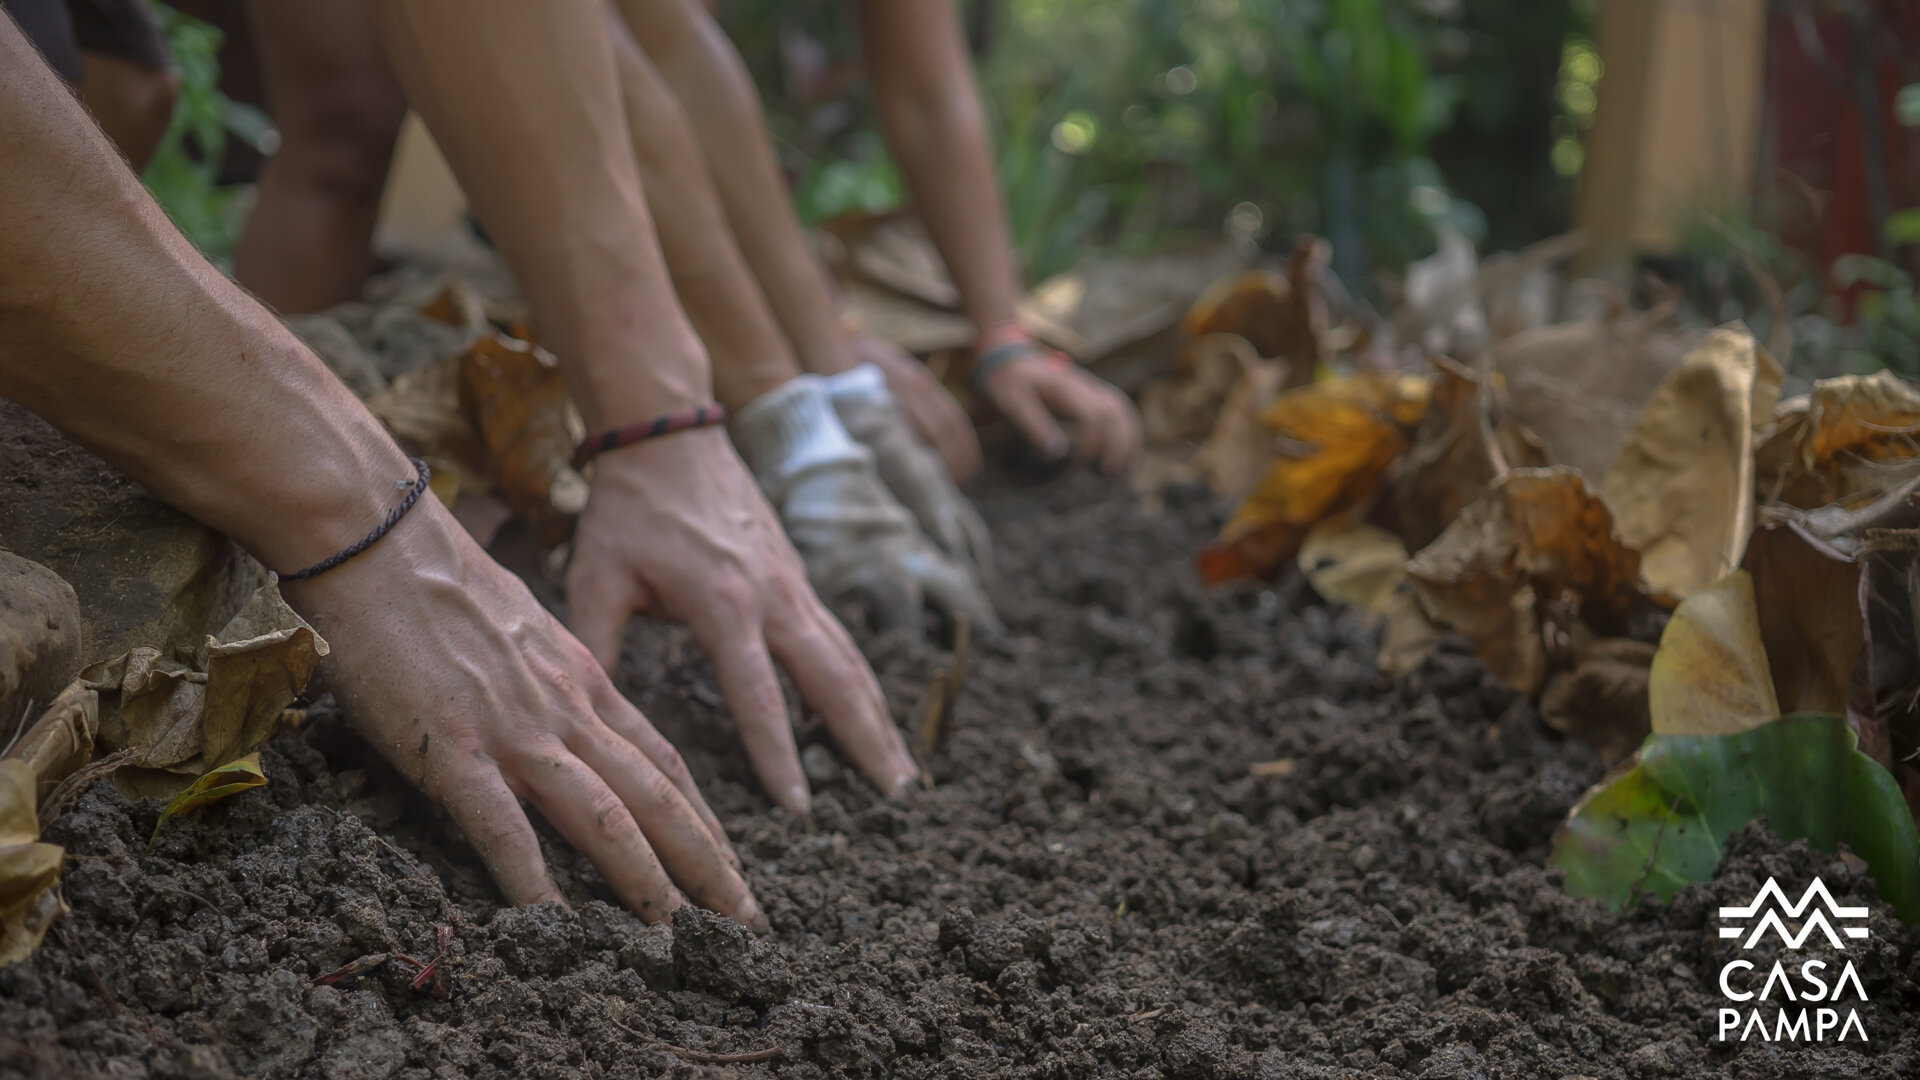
<point>853,535</point>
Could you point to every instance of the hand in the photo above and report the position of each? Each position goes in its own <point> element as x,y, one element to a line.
<point>908,467</point>
<point>1032,389</point>
<point>934,413</point>
<point>675,528</point>
<point>461,679</point>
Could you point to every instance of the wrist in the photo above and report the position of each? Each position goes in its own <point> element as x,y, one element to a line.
<point>864,384</point>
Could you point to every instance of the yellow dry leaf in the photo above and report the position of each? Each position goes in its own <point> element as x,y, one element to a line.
<point>29,870</point>
<point>211,786</point>
<point>1407,635</point>
<point>1710,675</point>
<point>1353,563</point>
<point>1682,486</point>
<point>1826,445</point>
<point>1511,572</point>
<point>1345,433</point>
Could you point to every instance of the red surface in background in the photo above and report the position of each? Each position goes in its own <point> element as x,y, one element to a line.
<point>1818,201</point>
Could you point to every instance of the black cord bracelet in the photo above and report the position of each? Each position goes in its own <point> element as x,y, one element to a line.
<point>393,518</point>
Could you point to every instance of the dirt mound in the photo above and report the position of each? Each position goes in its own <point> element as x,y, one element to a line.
<point>1096,886</point>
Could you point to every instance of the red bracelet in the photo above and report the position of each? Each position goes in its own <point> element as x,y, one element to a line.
<point>700,416</point>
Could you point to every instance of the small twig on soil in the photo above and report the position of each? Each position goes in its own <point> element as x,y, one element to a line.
<point>702,1057</point>
<point>347,971</point>
<point>1391,917</point>
<point>68,791</point>
<point>943,690</point>
<point>1140,1016</point>
<point>1282,767</point>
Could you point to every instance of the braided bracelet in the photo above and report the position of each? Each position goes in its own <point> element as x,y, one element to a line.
<point>700,416</point>
<point>422,474</point>
<point>1007,343</point>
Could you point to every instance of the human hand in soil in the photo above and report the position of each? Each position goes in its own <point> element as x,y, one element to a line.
<point>912,471</point>
<point>1037,389</point>
<point>476,694</point>
<point>854,536</point>
<point>935,415</point>
<point>676,528</point>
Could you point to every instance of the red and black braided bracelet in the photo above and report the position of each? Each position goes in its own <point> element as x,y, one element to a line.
<point>699,416</point>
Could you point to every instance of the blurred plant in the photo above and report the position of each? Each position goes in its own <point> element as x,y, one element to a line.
<point>1123,122</point>
<point>183,175</point>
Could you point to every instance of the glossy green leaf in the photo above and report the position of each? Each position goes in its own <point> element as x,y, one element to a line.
<point>1661,821</point>
<point>229,779</point>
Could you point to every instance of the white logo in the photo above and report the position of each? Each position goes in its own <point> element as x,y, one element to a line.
<point>1788,994</point>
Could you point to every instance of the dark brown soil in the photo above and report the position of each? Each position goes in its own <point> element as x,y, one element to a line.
<point>1096,886</point>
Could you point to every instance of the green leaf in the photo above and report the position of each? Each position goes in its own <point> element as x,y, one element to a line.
<point>1904,227</point>
<point>1661,821</point>
<point>229,779</point>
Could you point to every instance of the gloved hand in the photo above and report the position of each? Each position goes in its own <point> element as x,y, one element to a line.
<point>853,536</point>
<point>908,466</point>
<point>931,411</point>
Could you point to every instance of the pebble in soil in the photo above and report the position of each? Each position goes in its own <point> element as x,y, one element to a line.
<point>1095,887</point>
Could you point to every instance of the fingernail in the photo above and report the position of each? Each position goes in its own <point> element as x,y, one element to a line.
<point>753,918</point>
<point>798,799</point>
<point>1055,449</point>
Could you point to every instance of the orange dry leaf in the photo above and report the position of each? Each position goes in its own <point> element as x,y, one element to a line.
<point>1519,570</point>
<point>1828,444</point>
<point>1282,315</point>
<point>517,399</point>
<point>1341,437</point>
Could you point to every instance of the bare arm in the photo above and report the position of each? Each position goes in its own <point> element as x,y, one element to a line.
<point>113,328</point>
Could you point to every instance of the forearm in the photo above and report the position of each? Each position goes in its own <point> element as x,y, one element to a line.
<point>523,99</point>
<point>117,331</point>
<point>930,112</point>
<point>706,73</point>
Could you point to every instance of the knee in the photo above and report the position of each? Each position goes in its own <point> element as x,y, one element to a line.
<point>342,143</point>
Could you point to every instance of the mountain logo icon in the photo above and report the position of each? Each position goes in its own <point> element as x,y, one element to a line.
<point>1822,918</point>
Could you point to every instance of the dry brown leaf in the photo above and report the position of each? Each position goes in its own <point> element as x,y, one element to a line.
<point>61,740</point>
<point>1807,600</point>
<point>1711,676</point>
<point>1832,445</point>
<point>1348,430</point>
<point>1520,290</point>
<point>186,721</point>
<point>1108,302</point>
<point>1682,486</point>
<point>1283,316</point>
<point>1239,449</point>
<point>1355,564</point>
<point>1603,697</point>
<point>1515,570</point>
<point>1579,385</point>
<point>518,400</point>
<point>1464,444</point>
<point>422,409</point>
<point>29,870</point>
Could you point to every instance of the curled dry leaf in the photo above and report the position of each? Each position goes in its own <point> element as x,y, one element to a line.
<point>184,721</point>
<point>1353,563</point>
<point>518,400</point>
<point>1603,697</point>
<point>422,409</point>
<point>1682,486</point>
<point>1833,445</point>
<point>61,740</point>
<point>1517,569</point>
<point>1579,385</point>
<point>1710,675</point>
<point>1283,316</point>
<point>29,870</point>
<point>1465,443</point>
<point>1108,302</point>
<point>1348,431</point>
